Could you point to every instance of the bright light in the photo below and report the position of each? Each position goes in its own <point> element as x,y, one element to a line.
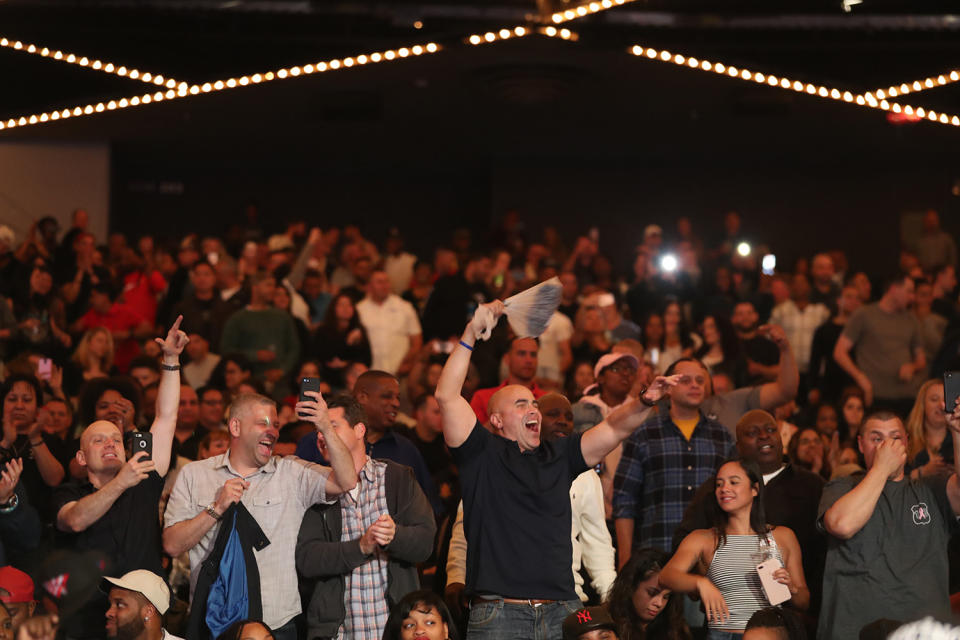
<point>669,263</point>
<point>768,264</point>
<point>743,249</point>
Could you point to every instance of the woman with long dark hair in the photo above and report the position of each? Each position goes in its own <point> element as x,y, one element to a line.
<point>643,608</point>
<point>739,541</point>
<point>422,615</point>
<point>341,339</point>
<point>720,350</point>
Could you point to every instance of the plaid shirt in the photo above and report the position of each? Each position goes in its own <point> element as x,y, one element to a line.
<point>365,588</point>
<point>660,471</point>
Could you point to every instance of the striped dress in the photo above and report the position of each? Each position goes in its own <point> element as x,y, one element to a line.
<point>733,572</point>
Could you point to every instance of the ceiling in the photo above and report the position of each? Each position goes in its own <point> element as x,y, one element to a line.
<point>535,87</point>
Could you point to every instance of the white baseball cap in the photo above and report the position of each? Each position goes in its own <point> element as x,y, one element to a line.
<point>146,583</point>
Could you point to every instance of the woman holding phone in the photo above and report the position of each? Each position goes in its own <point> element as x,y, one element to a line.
<point>731,587</point>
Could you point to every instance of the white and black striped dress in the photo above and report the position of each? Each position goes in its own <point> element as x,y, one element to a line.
<point>733,572</point>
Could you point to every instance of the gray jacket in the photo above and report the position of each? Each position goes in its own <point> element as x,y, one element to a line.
<point>323,560</point>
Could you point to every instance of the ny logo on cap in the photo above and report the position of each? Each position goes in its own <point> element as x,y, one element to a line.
<point>583,616</point>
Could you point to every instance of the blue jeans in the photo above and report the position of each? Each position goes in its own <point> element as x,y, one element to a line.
<point>498,620</point>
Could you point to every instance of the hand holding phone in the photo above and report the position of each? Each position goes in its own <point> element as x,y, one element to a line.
<point>777,593</point>
<point>308,384</point>
<point>951,390</point>
<point>44,368</point>
<point>142,441</point>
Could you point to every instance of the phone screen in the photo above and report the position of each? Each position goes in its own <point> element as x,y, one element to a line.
<point>951,390</point>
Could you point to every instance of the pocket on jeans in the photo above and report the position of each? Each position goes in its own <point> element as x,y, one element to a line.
<point>485,613</point>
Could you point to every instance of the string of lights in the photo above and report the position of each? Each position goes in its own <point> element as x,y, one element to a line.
<point>95,64</point>
<point>497,36</point>
<point>184,90</point>
<point>864,100</point>
<point>917,85</point>
<point>586,9</point>
<point>563,34</point>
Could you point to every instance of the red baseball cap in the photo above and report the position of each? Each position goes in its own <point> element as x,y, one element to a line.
<point>17,584</point>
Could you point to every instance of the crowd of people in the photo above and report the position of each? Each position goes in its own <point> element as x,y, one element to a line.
<point>301,433</point>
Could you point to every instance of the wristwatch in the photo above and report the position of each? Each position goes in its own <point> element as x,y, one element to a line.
<point>213,512</point>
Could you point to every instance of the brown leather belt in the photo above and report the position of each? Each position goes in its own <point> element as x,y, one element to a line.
<point>532,602</point>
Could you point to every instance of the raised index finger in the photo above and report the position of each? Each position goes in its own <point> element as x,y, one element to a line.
<point>176,325</point>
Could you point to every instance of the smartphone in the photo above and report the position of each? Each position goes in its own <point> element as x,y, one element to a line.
<point>308,384</point>
<point>142,441</point>
<point>45,368</point>
<point>951,390</point>
<point>777,593</point>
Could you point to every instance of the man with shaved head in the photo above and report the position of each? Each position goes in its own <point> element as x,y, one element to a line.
<point>516,501</point>
<point>791,495</point>
<point>114,509</point>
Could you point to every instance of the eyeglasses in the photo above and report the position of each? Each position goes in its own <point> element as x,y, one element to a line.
<point>622,369</point>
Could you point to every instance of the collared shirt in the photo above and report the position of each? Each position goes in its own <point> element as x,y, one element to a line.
<point>799,325</point>
<point>280,493</point>
<point>661,470</point>
<point>365,588</point>
<point>389,325</point>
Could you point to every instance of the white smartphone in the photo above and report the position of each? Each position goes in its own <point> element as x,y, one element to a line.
<point>44,368</point>
<point>777,593</point>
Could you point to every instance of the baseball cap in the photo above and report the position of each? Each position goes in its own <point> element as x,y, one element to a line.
<point>146,583</point>
<point>70,579</point>
<point>608,359</point>
<point>17,584</point>
<point>585,620</point>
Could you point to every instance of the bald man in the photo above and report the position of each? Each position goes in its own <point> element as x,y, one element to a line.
<point>516,500</point>
<point>791,495</point>
<point>114,509</point>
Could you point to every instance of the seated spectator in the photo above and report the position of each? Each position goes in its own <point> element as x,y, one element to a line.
<point>727,553</point>
<point>18,600</point>
<point>800,317</point>
<point>678,340</point>
<point>851,413</point>
<point>580,379</point>
<point>204,311</point>
<point>591,623</point>
<point>341,339</point>
<point>762,357</point>
<point>931,443</point>
<point>827,420</point>
<point>420,614</point>
<point>125,325</point>
<point>590,339</point>
<point>807,450</point>
<point>145,370</point>
<point>421,286</point>
<point>641,607</point>
<point>361,553</point>
<point>40,315</point>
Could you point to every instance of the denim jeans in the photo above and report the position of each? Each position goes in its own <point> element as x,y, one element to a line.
<point>498,620</point>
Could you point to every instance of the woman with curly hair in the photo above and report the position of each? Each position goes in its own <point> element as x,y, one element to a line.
<point>643,608</point>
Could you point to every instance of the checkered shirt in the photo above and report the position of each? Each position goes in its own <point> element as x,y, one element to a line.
<point>660,471</point>
<point>365,588</point>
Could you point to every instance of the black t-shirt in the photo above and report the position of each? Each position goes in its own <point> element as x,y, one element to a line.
<point>128,533</point>
<point>516,509</point>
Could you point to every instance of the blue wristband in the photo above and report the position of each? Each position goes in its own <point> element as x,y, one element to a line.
<point>466,345</point>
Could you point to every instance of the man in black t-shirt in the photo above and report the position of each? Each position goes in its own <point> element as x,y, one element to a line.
<point>114,510</point>
<point>516,496</point>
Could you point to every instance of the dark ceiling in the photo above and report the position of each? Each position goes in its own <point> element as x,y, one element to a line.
<point>536,89</point>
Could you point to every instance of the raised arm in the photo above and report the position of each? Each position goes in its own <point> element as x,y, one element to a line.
<point>850,513</point>
<point>458,417</point>
<point>168,395</point>
<point>784,388</point>
<point>601,439</point>
<point>344,476</point>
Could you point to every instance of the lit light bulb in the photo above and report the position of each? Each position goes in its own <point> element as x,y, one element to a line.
<point>743,249</point>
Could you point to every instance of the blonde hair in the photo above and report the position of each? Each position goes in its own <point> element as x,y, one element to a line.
<point>82,355</point>
<point>917,418</point>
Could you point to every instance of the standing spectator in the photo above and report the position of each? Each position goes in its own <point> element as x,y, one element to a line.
<point>931,442</point>
<point>230,285</point>
<point>427,435</point>
<point>827,378</point>
<point>78,274</point>
<point>825,289</point>
<point>555,355</point>
<point>569,295</point>
<point>126,327</point>
<point>935,247</point>
<point>361,553</point>
<point>41,316</point>
<point>885,340</point>
<point>885,515</point>
<point>799,318</point>
<point>92,359</point>
<point>762,356</point>
<point>341,339</point>
<point>204,312</point>
<point>944,286</point>
<point>678,340</point>
<point>421,285</point>
<point>141,285</point>
<point>392,327</point>
<point>932,324</point>
<point>202,363</point>
<point>665,461</point>
<point>720,351</point>
<point>397,263</point>
<point>265,335</point>
<point>275,491</point>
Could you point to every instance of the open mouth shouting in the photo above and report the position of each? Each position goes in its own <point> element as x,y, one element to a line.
<point>265,444</point>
